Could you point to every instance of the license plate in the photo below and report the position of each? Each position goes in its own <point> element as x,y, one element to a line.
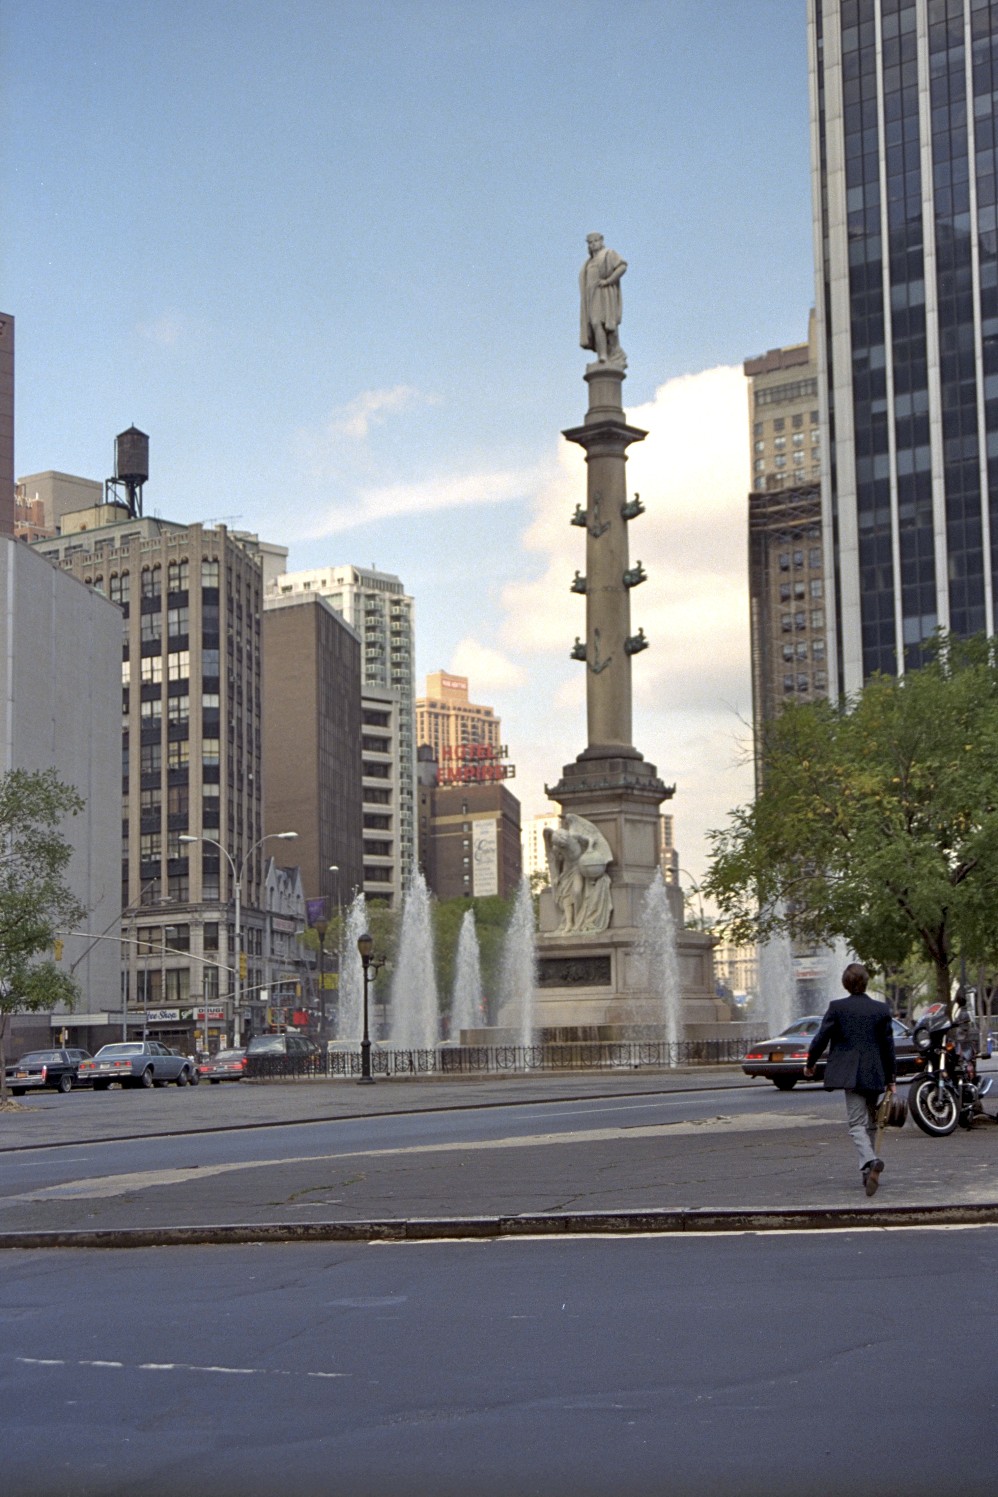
<point>776,1056</point>
<point>21,1075</point>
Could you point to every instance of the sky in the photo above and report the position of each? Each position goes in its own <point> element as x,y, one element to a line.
<point>326,254</point>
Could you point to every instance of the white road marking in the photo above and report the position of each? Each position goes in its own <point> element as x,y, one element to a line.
<point>103,1187</point>
<point>177,1367</point>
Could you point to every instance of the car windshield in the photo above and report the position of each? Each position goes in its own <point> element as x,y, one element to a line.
<point>229,1055</point>
<point>802,1026</point>
<point>267,1044</point>
<point>122,1049</point>
<point>40,1057</point>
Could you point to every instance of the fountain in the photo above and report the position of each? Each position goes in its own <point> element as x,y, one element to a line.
<point>658,950</point>
<point>349,1020</point>
<point>518,971</point>
<point>777,983</point>
<point>466,1010</point>
<point>837,958</point>
<point>415,1009</point>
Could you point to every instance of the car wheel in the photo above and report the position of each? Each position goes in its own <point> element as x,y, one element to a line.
<point>183,1078</point>
<point>195,1077</point>
<point>17,1091</point>
<point>101,1086</point>
<point>785,1083</point>
<point>65,1083</point>
<point>147,1078</point>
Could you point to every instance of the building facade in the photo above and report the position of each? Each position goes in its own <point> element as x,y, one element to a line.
<point>190,761</point>
<point>904,144</point>
<point>446,720</point>
<point>312,739</point>
<point>788,618</point>
<point>376,605</point>
<point>6,424</point>
<point>60,658</point>
<point>469,839</point>
<point>384,806</point>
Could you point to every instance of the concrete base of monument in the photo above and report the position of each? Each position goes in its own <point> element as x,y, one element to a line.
<point>595,984</point>
<point>609,1034</point>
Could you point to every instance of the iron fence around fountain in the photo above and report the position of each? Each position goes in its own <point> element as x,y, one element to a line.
<point>503,1060</point>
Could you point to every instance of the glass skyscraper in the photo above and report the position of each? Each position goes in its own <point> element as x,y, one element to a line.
<point>903,160</point>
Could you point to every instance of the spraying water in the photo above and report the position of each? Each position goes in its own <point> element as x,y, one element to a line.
<point>518,970</point>
<point>350,1019</point>
<point>777,983</point>
<point>658,947</point>
<point>466,1010</point>
<point>838,957</point>
<point>415,1009</point>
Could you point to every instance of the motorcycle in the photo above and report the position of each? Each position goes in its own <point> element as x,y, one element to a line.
<point>948,1092</point>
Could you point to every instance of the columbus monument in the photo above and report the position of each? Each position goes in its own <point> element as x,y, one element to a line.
<point>604,854</point>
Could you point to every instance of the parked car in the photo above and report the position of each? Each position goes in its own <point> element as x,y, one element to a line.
<point>781,1060</point>
<point>54,1069</point>
<point>227,1065</point>
<point>290,1045</point>
<point>195,1073</point>
<point>283,1055</point>
<point>136,1063</point>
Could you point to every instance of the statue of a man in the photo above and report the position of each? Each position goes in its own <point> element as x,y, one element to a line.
<point>601,303</point>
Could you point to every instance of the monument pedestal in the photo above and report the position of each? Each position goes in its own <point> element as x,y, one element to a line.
<point>601,979</point>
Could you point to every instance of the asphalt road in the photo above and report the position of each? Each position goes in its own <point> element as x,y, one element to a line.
<point>852,1363</point>
<point>746,1147</point>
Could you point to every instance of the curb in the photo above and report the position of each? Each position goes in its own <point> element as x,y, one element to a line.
<point>604,1224</point>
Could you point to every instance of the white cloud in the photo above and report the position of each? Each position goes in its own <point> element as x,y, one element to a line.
<point>488,669</point>
<point>692,689</point>
<point>166,330</point>
<point>388,501</point>
<point>355,419</point>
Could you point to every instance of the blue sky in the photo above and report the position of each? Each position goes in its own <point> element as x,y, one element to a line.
<point>325,254</point>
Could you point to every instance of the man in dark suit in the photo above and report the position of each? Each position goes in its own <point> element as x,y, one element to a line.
<point>860,1062</point>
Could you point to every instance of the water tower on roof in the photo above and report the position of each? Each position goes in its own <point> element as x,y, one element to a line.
<point>131,469</point>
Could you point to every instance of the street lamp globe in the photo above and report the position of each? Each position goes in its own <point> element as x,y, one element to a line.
<point>365,945</point>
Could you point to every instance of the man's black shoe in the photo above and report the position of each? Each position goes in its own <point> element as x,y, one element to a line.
<point>871,1175</point>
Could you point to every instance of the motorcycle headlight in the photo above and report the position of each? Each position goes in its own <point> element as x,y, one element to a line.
<point>922,1040</point>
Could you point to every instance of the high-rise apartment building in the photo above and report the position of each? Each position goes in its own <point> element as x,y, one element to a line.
<point>445,719</point>
<point>788,618</point>
<point>904,141</point>
<point>191,758</point>
<point>375,604</point>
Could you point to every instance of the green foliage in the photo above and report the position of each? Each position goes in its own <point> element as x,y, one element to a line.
<point>35,900</point>
<point>878,822</point>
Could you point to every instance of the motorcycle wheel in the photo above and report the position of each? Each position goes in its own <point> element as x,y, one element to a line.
<point>936,1115</point>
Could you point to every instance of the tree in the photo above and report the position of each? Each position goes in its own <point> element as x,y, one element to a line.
<point>877,821</point>
<point>34,897</point>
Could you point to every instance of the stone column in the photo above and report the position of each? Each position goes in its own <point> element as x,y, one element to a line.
<point>605,436</point>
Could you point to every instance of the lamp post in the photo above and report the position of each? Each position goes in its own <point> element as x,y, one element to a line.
<point>365,945</point>
<point>237,885</point>
<point>320,927</point>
